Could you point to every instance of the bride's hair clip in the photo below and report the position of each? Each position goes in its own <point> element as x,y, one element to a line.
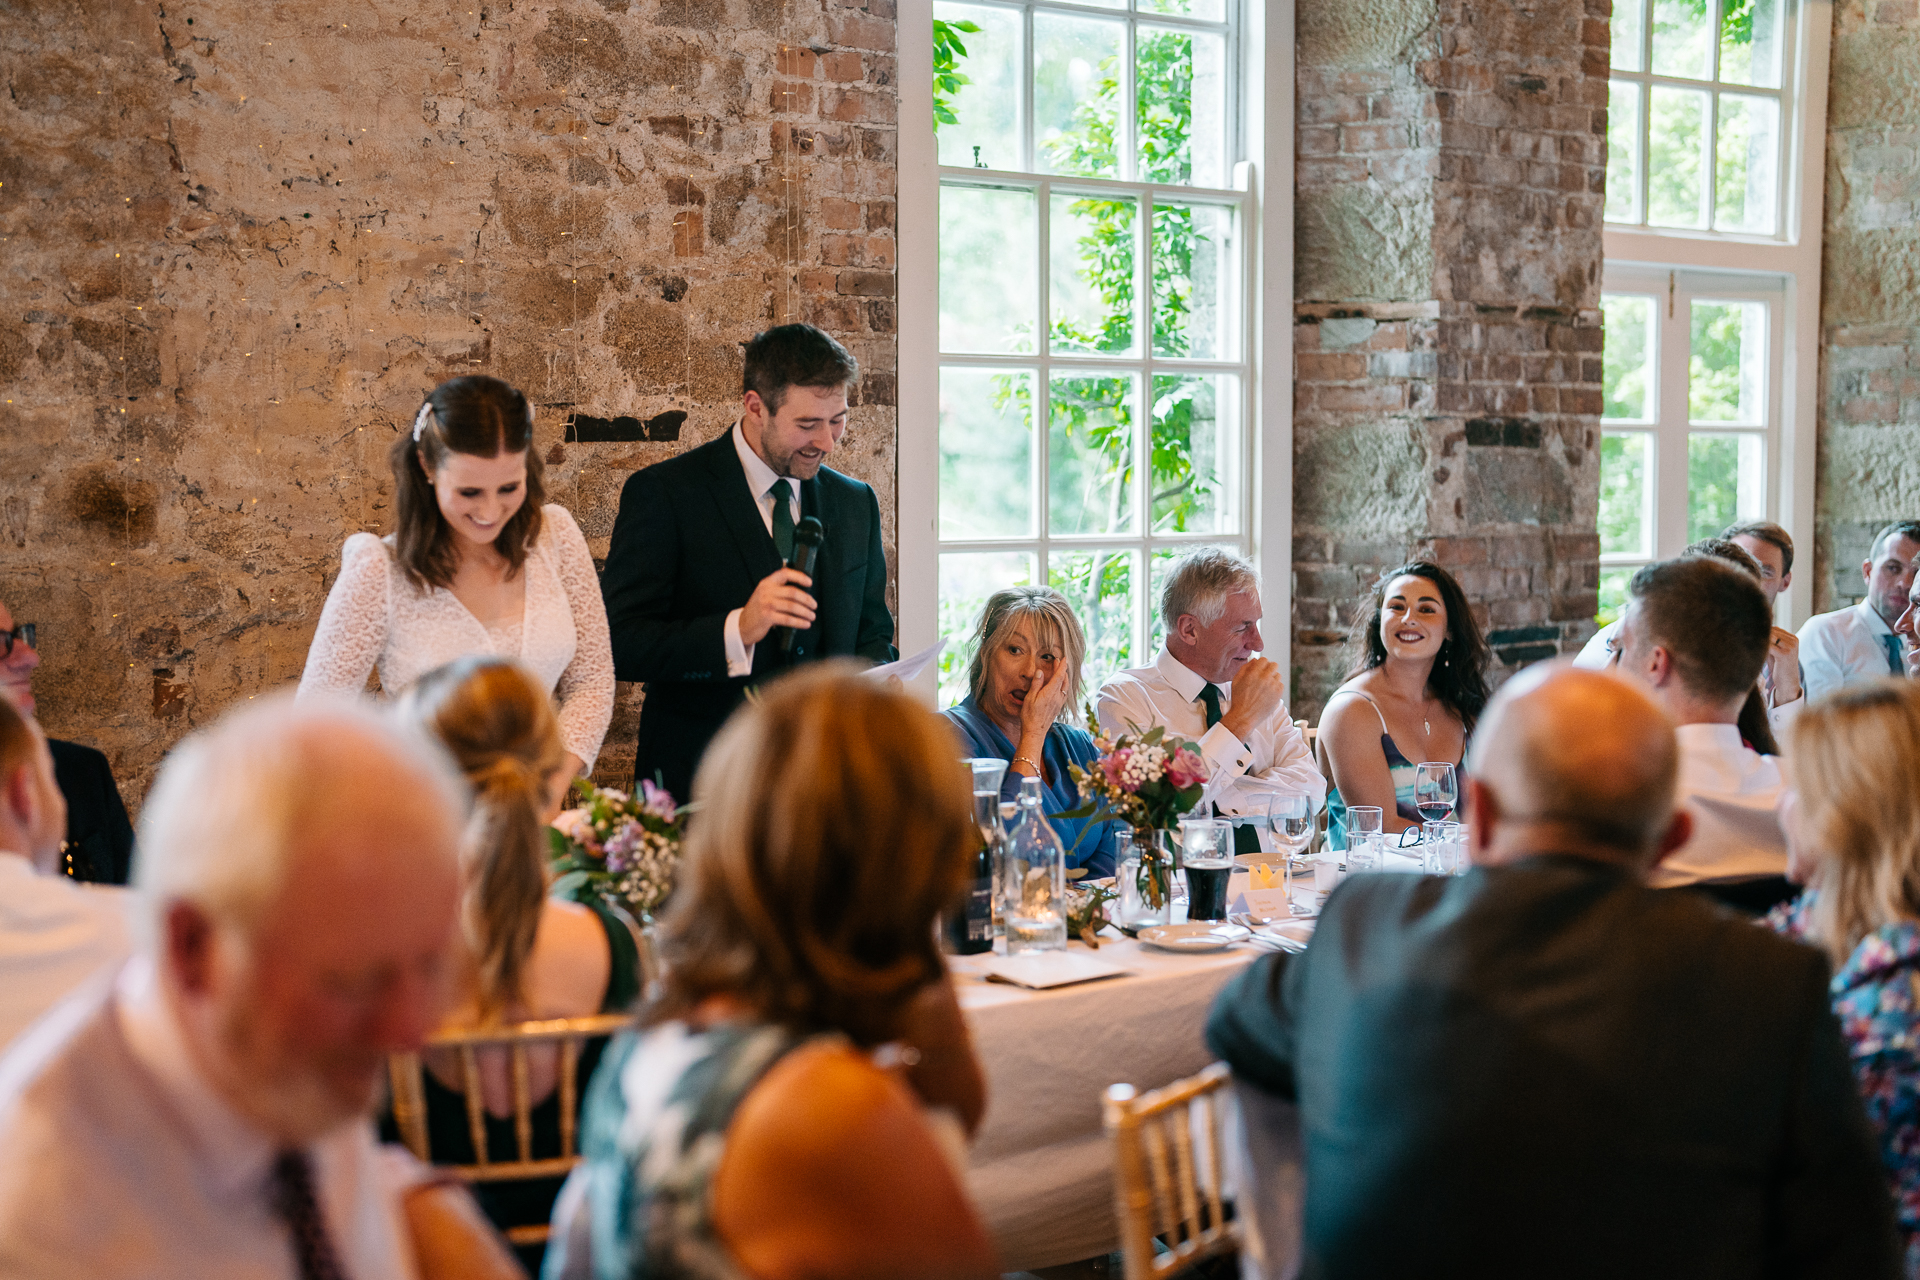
<point>420,419</point>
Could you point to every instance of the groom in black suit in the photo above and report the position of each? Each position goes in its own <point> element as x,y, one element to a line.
<point>696,582</point>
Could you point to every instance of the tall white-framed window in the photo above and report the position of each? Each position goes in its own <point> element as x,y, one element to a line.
<point>1715,147</point>
<point>1093,326</point>
<point>1690,428</point>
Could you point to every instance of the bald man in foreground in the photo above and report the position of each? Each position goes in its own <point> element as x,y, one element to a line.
<point>1544,1067</point>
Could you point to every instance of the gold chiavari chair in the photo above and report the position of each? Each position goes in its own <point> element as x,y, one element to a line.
<point>568,1034</point>
<point>1158,1184</point>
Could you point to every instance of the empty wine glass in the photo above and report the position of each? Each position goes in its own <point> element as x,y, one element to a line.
<point>1434,795</point>
<point>1290,818</point>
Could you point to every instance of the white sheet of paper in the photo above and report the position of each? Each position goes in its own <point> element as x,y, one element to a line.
<point>908,668</point>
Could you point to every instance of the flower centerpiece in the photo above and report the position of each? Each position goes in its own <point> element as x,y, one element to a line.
<point>1147,780</point>
<point>623,848</point>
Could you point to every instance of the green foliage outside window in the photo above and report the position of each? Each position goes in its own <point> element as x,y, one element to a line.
<point>948,50</point>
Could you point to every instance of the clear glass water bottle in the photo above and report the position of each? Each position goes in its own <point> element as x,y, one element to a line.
<point>1033,892</point>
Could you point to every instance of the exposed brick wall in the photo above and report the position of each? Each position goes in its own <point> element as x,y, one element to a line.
<point>241,240</point>
<point>1869,422</point>
<point>1447,339</point>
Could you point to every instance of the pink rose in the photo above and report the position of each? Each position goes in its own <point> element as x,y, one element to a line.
<point>1186,769</point>
<point>1115,767</point>
<point>658,800</point>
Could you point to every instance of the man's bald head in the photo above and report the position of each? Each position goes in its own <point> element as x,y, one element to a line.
<point>1581,761</point>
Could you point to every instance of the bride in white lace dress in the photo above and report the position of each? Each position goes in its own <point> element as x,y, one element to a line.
<point>476,564</point>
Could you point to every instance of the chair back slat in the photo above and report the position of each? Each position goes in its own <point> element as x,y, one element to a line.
<point>569,1104</point>
<point>409,1102</point>
<point>1156,1190</point>
<point>476,1113</point>
<point>522,1102</point>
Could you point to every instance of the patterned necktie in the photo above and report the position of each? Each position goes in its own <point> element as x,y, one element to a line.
<point>1246,839</point>
<point>1894,667</point>
<point>782,521</point>
<point>293,1199</point>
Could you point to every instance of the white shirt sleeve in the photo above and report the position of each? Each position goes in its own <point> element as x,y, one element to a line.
<point>353,624</point>
<point>1822,664</point>
<point>1122,705</point>
<point>739,654</point>
<point>1784,715</point>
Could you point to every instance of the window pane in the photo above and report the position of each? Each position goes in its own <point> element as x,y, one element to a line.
<point>1748,159</point>
<point>966,580</point>
<point>1091,473</point>
<point>1180,86</point>
<point>1090,273</point>
<point>1682,38</point>
<point>1750,42</point>
<point>1195,453</point>
<point>1677,159</point>
<point>1099,585</point>
<point>1629,33</point>
<point>989,281</point>
<point>1626,494</point>
<point>1076,94</point>
<point>1623,152</point>
<point>1159,565</point>
<point>976,113</point>
<point>1725,377</point>
<point>986,453</point>
<point>1207,10</point>
<point>1627,365</point>
<point>1192,269</point>
<point>1723,481</point>
<point>1613,595</point>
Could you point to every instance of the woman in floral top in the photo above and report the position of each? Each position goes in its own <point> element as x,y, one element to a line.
<point>1853,830</point>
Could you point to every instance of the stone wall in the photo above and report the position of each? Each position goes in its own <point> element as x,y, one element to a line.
<point>1869,426</point>
<point>1447,342</point>
<point>241,241</point>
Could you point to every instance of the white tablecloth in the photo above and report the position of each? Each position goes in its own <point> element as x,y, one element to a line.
<point>1042,1173</point>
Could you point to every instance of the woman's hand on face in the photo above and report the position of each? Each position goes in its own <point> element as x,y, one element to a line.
<point>1044,704</point>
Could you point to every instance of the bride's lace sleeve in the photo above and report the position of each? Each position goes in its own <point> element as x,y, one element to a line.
<point>585,689</point>
<point>353,625</point>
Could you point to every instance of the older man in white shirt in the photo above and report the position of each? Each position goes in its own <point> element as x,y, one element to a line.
<point>1209,685</point>
<point>54,933</point>
<point>1696,632</point>
<point>1858,643</point>
<point>206,1114</point>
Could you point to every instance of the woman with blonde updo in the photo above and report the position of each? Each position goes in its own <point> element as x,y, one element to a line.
<point>524,955</point>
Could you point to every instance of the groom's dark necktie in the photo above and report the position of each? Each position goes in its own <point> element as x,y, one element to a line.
<point>1894,666</point>
<point>1246,839</point>
<point>782,521</point>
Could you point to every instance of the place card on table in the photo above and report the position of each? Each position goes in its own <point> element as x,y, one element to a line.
<point>1041,970</point>
<point>1271,903</point>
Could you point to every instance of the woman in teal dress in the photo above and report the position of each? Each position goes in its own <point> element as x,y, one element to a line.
<point>1024,690</point>
<point>1413,696</point>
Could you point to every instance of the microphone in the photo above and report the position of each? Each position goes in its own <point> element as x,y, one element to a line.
<point>807,537</point>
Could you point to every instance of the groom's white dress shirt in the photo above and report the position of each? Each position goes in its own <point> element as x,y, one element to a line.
<point>1845,647</point>
<point>1733,793</point>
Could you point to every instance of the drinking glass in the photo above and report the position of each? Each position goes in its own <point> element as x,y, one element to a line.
<point>1206,855</point>
<point>1365,842</point>
<point>1290,818</point>
<point>1434,795</point>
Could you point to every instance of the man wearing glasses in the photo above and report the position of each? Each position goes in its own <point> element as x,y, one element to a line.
<point>99,844</point>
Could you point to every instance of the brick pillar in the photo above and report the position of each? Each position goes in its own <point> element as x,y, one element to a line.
<point>1447,326</point>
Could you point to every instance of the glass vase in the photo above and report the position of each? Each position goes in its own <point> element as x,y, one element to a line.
<point>1145,880</point>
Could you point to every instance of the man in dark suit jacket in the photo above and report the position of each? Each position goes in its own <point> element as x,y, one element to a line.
<point>696,587</point>
<point>99,845</point>
<point>1546,1068</point>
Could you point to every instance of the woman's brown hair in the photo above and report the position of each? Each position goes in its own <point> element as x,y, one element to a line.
<point>1854,760</point>
<point>501,729</point>
<point>834,824</point>
<point>475,415</point>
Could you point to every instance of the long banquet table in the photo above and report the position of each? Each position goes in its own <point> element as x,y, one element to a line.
<point>1041,1169</point>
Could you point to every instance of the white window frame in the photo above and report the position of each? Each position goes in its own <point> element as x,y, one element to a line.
<point>1793,257</point>
<point>1264,65</point>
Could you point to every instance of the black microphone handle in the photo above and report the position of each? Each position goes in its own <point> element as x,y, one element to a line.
<point>804,552</point>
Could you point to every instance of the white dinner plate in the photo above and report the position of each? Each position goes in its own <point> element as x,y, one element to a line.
<point>1197,935</point>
